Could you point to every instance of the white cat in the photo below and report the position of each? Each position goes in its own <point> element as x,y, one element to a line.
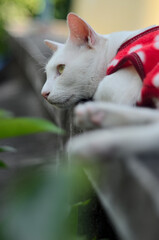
<point>77,71</point>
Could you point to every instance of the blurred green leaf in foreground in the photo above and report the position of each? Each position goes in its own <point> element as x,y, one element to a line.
<point>19,126</point>
<point>13,127</point>
<point>41,205</point>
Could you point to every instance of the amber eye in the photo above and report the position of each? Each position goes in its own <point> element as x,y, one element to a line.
<point>60,68</point>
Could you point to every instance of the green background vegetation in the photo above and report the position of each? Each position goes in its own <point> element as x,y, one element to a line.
<point>12,11</point>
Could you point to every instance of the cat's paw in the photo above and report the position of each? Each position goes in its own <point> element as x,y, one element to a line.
<point>108,115</point>
<point>89,115</point>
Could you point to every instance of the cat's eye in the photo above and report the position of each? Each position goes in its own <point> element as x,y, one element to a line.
<point>60,68</point>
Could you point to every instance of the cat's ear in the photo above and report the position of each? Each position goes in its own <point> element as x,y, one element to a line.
<point>52,45</point>
<point>80,31</point>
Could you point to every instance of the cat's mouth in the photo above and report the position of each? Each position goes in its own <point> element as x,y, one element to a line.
<point>62,104</point>
<point>69,102</point>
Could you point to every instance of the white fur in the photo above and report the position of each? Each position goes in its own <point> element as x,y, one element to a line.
<point>122,87</point>
<point>106,115</point>
<point>85,70</point>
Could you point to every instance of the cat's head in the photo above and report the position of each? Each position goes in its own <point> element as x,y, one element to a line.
<point>73,72</point>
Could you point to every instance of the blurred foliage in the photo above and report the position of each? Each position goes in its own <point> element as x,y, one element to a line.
<point>11,126</point>
<point>2,164</point>
<point>12,11</point>
<point>42,204</point>
<point>61,8</point>
<point>23,126</point>
<point>19,126</point>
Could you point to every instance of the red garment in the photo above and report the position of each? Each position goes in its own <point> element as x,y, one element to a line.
<point>141,51</point>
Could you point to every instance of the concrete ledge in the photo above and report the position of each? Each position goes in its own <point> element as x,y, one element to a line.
<point>128,190</point>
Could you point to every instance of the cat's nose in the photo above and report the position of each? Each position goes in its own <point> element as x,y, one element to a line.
<point>45,94</point>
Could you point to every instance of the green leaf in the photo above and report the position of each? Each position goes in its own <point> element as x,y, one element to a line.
<point>37,206</point>
<point>73,217</point>
<point>73,222</point>
<point>23,126</point>
<point>2,164</point>
<point>7,149</point>
<point>83,203</point>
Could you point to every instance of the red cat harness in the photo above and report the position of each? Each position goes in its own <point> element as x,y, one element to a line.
<point>141,51</point>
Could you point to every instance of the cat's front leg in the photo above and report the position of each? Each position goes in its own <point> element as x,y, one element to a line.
<point>121,87</point>
<point>105,144</point>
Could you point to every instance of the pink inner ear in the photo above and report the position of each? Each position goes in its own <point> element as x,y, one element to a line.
<point>52,45</point>
<point>80,31</point>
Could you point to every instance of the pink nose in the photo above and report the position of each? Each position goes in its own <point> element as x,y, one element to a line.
<point>45,94</point>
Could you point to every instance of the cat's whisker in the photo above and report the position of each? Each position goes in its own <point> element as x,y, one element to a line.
<point>42,69</point>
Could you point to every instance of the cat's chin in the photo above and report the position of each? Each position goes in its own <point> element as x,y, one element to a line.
<point>69,103</point>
